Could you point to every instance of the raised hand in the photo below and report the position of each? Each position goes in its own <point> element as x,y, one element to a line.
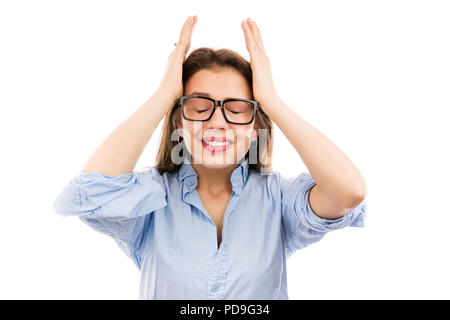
<point>172,82</point>
<point>263,87</point>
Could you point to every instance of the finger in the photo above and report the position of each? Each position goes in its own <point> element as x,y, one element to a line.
<point>249,41</point>
<point>194,21</point>
<point>191,29</point>
<point>244,29</point>
<point>187,30</point>
<point>191,25</point>
<point>184,32</point>
<point>256,33</point>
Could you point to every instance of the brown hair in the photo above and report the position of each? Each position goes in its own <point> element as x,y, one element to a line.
<point>210,59</point>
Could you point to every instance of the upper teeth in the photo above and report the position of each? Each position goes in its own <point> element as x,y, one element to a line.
<point>217,143</point>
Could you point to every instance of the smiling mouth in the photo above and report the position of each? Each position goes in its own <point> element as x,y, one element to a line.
<point>216,146</point>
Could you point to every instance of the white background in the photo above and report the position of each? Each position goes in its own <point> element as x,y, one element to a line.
<point>373,76</point>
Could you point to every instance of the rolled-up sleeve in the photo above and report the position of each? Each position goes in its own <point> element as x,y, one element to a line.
<point>118,206</point>
<point>301,225</point>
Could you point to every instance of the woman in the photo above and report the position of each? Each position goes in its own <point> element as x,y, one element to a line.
<point>210,220</point>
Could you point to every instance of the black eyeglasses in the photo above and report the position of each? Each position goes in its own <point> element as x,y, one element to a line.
<point>236,111</point>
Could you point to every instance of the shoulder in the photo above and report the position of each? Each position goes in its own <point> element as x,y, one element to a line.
<point>163,178</point>
<point>266,177</point>
<point>269,180</point>
<point>276,182</point>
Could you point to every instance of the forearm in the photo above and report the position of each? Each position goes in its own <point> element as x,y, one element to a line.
<point>331,169</point>
<point>120,151</point>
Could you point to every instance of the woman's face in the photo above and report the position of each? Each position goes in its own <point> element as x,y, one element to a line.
<point>219,85</point>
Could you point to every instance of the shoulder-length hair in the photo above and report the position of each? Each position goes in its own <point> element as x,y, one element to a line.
<point>210,59</point>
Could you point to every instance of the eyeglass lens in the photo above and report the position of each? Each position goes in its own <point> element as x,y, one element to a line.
<point>201,109</point>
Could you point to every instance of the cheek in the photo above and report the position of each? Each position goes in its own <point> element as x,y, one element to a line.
<point>192,133</point>
<point>243,134</point>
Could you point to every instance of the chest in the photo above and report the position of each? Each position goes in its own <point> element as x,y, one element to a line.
<point>216,207</point>
<point>181,253</point>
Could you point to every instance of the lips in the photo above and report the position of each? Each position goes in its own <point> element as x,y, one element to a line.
<point>218,139</point>
<point>216,144</point>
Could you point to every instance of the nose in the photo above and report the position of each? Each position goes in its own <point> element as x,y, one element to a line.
<point>217,120</point>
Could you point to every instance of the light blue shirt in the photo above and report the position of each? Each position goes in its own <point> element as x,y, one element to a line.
<point>159,221</point>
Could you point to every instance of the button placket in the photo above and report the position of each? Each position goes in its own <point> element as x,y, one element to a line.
<point>215,287</point>
<point>217,267</point>
<point>218,274</point>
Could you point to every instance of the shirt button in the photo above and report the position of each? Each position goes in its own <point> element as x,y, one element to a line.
<point>190,183</point>
<point>215,287</point>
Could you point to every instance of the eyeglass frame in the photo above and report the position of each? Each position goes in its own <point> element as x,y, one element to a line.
<point>219,103</point>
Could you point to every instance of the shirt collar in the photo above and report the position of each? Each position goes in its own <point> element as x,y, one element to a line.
<point>188,176</point>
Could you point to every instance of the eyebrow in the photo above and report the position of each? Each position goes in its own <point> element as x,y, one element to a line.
<point>206,94</point>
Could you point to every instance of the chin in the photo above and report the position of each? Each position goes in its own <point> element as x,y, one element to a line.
<point>215,165</point>
<point>212,161</point>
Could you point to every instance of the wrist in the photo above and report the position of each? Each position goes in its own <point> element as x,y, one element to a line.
<point>166,93</point>
<point>270,104</point>
<point>162,100</point>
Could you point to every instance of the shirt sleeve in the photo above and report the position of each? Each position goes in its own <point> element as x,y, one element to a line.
<point>118,206</point>
<point>301,225</point>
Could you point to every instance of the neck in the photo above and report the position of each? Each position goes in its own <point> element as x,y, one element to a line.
<point>214,181</point>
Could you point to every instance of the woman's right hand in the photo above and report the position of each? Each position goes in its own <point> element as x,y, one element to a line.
<point>172,82</point>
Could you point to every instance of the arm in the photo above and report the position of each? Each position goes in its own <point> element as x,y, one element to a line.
<point>107,194</point>
<point>121,150</point>
<point>339,185</point>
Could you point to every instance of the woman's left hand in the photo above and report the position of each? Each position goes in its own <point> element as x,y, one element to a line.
<point>263,87</point>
